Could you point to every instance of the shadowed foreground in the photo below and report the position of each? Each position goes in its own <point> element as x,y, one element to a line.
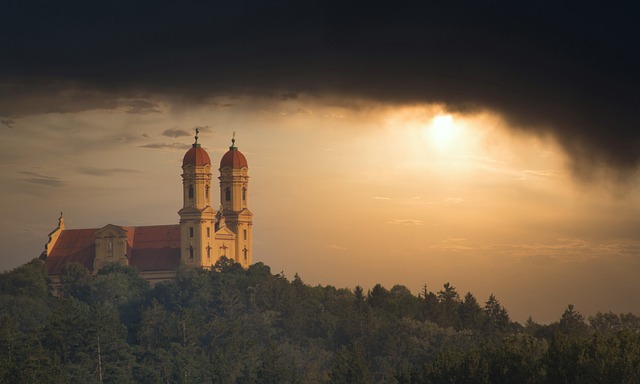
<point>231,325</point>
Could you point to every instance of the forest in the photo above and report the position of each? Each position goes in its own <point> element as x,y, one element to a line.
<point>235,325</point>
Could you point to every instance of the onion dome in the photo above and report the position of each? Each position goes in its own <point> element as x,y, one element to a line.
<point>233,158</point>
<point>196,155</point>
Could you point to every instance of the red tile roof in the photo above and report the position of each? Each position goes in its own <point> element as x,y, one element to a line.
<point>196,155</point>
<point>154,248</point>
<point>75,245</point>
<point>233,159</point>
<point>149,248</point>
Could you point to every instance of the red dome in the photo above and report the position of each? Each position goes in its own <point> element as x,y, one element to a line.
<point>233,159</point>
<point>196,156</point>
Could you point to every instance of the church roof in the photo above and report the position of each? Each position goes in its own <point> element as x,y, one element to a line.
<point>149,248</point>
<point>73,245</point>
<point>154,247</point>
<point>233,158</point>
<point>197,156</point>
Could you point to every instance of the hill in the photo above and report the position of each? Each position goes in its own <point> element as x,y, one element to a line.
<point>235,325</point>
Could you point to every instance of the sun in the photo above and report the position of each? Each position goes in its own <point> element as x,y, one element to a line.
<point>443,132</point>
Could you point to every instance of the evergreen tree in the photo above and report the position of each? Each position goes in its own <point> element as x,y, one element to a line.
<point>471,315</point>
<point>572,323</point>
<point>497,318</point>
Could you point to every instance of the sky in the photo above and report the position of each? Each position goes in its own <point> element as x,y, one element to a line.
<point>494,146</point>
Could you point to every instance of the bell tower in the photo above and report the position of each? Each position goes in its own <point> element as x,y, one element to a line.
<point>197,217</point>
<point>234,202</point>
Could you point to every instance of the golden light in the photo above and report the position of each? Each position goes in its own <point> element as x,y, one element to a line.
<point>443,132</point>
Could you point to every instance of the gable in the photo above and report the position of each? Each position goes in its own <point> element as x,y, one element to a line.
<point>110,230</point>
<point>225,233</point>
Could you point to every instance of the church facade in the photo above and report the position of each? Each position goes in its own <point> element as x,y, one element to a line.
<point>202,236</point>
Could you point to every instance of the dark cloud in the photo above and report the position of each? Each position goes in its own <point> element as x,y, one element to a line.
<point>139,106</point>
<point>21,96</point>
<point>569,70</point>
<point>175,132</point>
<point>36,178</point>
<point>223,105</point>
<point>8,122</point>
<point>104,171</point>
<point>166,146</point>
<point>204,128</point>
<point>289,96</point>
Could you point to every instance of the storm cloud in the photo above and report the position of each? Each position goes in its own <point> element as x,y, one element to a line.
<point>570,71</point>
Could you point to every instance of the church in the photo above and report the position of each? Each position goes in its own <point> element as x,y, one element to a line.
<point>199,240</point>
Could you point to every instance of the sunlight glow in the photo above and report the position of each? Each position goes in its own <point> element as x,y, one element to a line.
<point>443,133</point>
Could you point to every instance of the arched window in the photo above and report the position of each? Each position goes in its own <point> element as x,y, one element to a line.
<point>206,192</point>
<point>191,191</point>
<point>244,194</point>
<point>227,194</point>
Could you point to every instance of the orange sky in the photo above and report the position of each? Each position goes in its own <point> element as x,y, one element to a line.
<point>346,193</point>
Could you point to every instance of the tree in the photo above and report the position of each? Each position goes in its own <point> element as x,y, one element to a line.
<point>572,323</point>
<point>377,297</point>
<point>563,359</point>
<point>497,318</point>
<point>349,366</point>
<point>76,282</point>
<point>449,301</point>
<point>430,305</point>
<point>453,366</point>
<point>471,315</point>
<point>406,305</point>
<point>29,280</point>
<point>518,359</point>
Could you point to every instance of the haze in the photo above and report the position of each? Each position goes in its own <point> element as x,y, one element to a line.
<point>346,195</point>
<point>494,146</point>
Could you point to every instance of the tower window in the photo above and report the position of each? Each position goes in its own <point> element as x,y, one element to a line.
<point>190,231</point>
<point>227,194</point>
<point>206,192</point>
<point>244,194</point>
<point>191,191</point>
<point>191,252</point>
<point>245,234</point>
<point>208,252</point>
<point>208,232</point>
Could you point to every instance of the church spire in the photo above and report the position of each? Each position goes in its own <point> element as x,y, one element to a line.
<point>195,144</point>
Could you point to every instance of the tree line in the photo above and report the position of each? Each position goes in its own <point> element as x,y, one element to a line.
<point>235,325</point>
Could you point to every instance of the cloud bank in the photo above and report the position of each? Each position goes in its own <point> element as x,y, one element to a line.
<point>570,71</point>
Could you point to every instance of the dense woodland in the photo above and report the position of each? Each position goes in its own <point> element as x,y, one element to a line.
<point>231,325</point>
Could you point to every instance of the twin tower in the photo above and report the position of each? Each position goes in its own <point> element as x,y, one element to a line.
<point>207,234</point>
<point>202,237</point>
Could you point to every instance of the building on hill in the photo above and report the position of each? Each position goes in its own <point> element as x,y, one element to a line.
<point>202,236</point>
